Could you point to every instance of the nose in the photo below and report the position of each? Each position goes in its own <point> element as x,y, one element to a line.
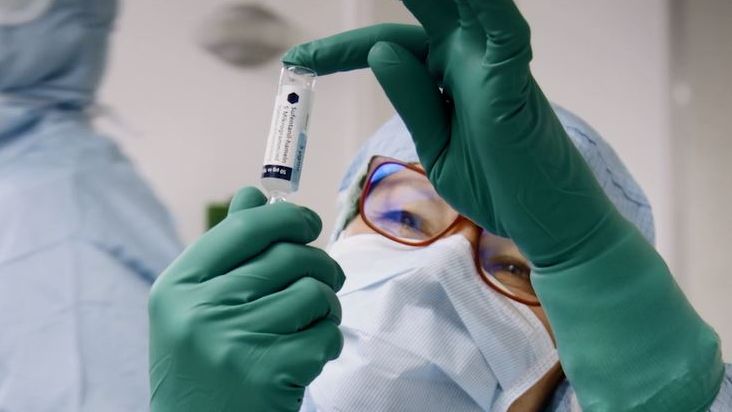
<point>467,229</point>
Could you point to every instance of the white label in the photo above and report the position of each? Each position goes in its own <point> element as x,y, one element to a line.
<point>283,156</point>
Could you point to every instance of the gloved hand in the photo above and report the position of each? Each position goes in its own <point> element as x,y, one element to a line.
<point>489,141</point>
<point>247,316</point>
<point>495,151</point>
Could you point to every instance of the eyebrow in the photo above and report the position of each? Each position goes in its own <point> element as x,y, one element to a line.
<point>420,184</point>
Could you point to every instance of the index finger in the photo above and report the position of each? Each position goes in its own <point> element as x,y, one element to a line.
<point>438,17</point>
<point>507,30</point>
<point>349,50</point>
<point>243,235</point>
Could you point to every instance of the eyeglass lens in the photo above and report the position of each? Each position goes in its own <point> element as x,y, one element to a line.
<point>401,203</point>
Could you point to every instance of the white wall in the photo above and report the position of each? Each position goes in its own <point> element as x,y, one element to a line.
<point>608,62</point>
<point>702,63</point>
<point>203,125</point>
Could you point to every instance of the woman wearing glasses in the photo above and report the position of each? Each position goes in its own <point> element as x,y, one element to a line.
<point>439,314</point>
<point>440,310</point>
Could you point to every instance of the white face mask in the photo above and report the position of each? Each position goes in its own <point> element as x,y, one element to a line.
<point>423,332</point>
<point>16,12</point>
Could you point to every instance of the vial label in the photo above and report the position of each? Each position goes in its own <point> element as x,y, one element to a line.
<point>302,142</point>
<point>287,135</point>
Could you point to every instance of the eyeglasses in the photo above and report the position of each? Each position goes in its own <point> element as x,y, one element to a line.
<point>399,202</point>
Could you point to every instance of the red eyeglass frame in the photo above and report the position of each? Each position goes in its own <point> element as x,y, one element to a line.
<point>379,161</point>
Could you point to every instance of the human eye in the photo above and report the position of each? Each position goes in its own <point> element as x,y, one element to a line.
<point>403,218</point>
<point>507,269</point>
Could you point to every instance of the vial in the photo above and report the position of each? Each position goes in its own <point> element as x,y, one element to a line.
<point>287,138</point>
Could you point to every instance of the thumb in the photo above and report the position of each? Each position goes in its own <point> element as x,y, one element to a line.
<point>247,198</point>
<point>415,96</point>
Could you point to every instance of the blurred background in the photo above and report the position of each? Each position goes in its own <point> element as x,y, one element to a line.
<point>651,76</point>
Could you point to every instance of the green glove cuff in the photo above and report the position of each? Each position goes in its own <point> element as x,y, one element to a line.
<point>628,339</point>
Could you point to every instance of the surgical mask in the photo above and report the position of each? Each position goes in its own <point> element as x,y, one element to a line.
<point>16,12</point>
<point>431,304</point>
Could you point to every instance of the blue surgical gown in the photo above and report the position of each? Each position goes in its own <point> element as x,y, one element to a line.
<point>82,237</point>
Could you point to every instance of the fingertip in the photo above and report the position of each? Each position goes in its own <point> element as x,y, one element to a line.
<point>246,198</point>
<point>338,344</point>
<point>331,339</point>
<point>383,53</point>
<point>293,56</point>
<point>340,277</point>
<point>289,56</point>
<point>305,222</point>
<point>314,223</point>
<point>335,314</point>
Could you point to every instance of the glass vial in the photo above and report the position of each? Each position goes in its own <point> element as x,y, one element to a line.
<point>287,138</point>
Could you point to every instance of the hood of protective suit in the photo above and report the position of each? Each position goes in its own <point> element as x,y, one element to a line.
<point>393,140</point>
<point>56,59</point>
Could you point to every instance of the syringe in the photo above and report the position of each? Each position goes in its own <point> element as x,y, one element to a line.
<point>288,133</point>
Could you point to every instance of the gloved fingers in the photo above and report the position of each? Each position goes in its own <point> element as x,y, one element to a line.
<point>349,50</point>
<point>284,263</point>
<point>507,31</point>
<point>309,351</point>
<point>243,235</point>
<point>292,310</point>
<point>327,336</point>
<point>273,270</point>
<point>415,96</point>
<point>468,19</point>
<point>438,17</point>
<point>247,198</point>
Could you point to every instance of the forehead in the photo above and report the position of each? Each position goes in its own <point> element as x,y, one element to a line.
<point>377,160</point>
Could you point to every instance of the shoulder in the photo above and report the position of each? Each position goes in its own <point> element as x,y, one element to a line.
<point>73,183</point>
<point>723,402</point>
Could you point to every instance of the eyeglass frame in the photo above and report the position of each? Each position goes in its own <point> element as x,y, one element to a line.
<point>485,277</point>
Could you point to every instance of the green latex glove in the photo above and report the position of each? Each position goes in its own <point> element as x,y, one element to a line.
<point>493,148</point>
<point>489,141</point>
<point>247,316</point>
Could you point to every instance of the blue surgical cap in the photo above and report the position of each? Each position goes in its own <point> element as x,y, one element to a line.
<point>393,140</point>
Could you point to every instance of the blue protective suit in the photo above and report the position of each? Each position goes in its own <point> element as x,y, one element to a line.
<point>81,235</point>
